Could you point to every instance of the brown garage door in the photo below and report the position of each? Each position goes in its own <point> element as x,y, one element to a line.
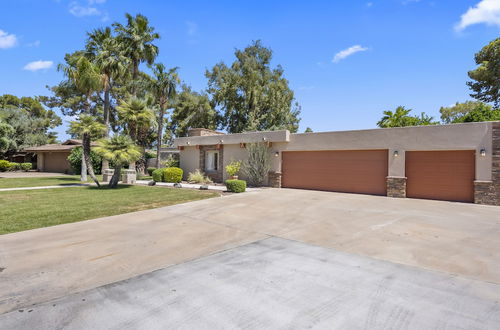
<point>444,175</point>
<point>354,171</point>
<point>56,162</point>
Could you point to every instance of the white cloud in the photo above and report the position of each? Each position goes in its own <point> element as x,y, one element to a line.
<point>348,52</point>
<point>80,11</point>
<point>91,2</point>
<point>38,65</point>
<point>7,40</point>
<point>369,4</point>
<point>192,28</point>
<point>486,11</point>
<point>34,44</point>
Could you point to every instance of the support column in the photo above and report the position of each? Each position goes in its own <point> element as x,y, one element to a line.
<point>274,179</point>
<point>396,186</point>
<point>488,192</point>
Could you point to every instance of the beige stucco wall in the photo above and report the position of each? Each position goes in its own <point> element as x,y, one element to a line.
<point>470,136</point>
<point>189,160</point>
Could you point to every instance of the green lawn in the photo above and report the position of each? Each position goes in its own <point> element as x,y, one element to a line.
<point>37,182</point>
<point>29,209</point>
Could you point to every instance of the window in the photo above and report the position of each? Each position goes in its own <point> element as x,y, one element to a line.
<point>211,160</point>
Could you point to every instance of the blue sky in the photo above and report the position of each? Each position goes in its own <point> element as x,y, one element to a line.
<point>347,61</point>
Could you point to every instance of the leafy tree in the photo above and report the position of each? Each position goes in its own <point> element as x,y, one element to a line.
<point>6,140</point>
<point>75,160</point>
<point>87,127</point>
<point>485,82</point>
<point>482,112</point>
<point>308,130</point>
<point>163,86</point>
<point>401,117</point>
<point>136,39</point>
<point>191,110</point>
<point>251,95</point>
<point>455,113</point>
<point>119,150</point>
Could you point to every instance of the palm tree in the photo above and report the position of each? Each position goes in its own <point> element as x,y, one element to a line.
<point>136,41</point>
<point>104,51</point>
<point>120,150</point>
<point>163,87</point>
<point>87,79</point>
<point>87,127</point>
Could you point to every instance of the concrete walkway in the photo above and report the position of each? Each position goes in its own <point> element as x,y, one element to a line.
<point>264,259</point>
<point>47,187</point>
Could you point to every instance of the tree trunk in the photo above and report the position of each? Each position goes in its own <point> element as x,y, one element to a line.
<point>86,155</point>
<point>160,135</point>
<point>105,162</point>
<point>135,74</point>
<point>116,177</point>
<point>83,172</point>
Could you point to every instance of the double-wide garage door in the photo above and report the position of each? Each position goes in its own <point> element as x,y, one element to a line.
<point>354,171</point>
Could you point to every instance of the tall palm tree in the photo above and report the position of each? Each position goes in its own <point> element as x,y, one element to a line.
<point>163,86</point>
<point>136,40</point>
<point>87,79</point>
<point>120,150</point>
<point>87,128</point>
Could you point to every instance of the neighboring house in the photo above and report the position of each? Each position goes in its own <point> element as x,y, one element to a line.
<point>165,152</point>
<point>54,157</point>
<point>459,162</point>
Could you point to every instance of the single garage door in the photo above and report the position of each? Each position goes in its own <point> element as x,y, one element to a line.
<point>444,175</point>
<point>353,171</point>
<point>56,162</point>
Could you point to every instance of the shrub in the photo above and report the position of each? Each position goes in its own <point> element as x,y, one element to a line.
<point>198,177</point>
<point>75,160</point>
<point>148,154</point>
<point>5,165</point>
<point>172,174</point>
<point>14,166</point>
<point>236,186</point>
<point>26,166</point>
<point>171,161</point>
<point>257,165</point>
<point>158,175</point>
<point>151,170</point>
<point>233,167</point>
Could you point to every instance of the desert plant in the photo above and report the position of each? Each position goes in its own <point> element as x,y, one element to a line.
<point>233,167</point>
<point>172,174</point>
<point>157,175</point>
<point>198,177</point>
<point>236,186</point>
<point>171,161</point>
<point>26,166</point>
<point>5,165</point>
<point>257,165</point>
<point>150,170</point>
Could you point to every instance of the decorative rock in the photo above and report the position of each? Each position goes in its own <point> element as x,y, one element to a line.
<point>204,187</point>
<point>151,183</point>
<point>177,185</point>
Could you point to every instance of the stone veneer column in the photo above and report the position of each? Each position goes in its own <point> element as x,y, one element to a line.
<point>396,186</point>
<point>274,179</point>
<point>488,192</point>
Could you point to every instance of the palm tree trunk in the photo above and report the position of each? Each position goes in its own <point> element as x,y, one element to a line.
<point>105,162</point>
<point>86,155</point>
<point>116,177</point>
<point>83,172</point>
<point>135,74</point>
<point>160,135</point>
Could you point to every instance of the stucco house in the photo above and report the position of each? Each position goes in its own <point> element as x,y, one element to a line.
<point>54,157</point>
<point>458,162</point>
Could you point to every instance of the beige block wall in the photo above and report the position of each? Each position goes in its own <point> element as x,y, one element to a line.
<point>189,160</point>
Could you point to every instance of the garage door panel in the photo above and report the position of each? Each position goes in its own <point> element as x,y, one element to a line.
<point>357,171</point>
<point>442,175</point>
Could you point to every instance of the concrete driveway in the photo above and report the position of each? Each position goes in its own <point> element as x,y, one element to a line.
<point>265,259</point>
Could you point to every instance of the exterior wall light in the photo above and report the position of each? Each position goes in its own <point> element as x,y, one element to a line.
<point>188,143</point>
<point>396,153</point>
<point>277,154</point>
<point>264,139</point>
<point>221,140</point>
<point>482,152</point>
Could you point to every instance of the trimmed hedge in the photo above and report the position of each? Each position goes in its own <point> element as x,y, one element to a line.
<point>157,174</point>
<point>5,165</point>
<point>172,174</point>
<point>26,166</point>
<point>236,186</point>
<point>150,170</point>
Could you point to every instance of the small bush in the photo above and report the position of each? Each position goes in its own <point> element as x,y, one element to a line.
<point>158,175</point>
<point>171,161</point>
<point>151,170</point>
<point>149,154</point>
<point>75,160</point>
<point>26,166</point>
<point>172,174</point>
<point>5,165</point>
<point>236,186</point>
<point>198,177</point>
<point>233,167</point>
<point>14,166</point>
